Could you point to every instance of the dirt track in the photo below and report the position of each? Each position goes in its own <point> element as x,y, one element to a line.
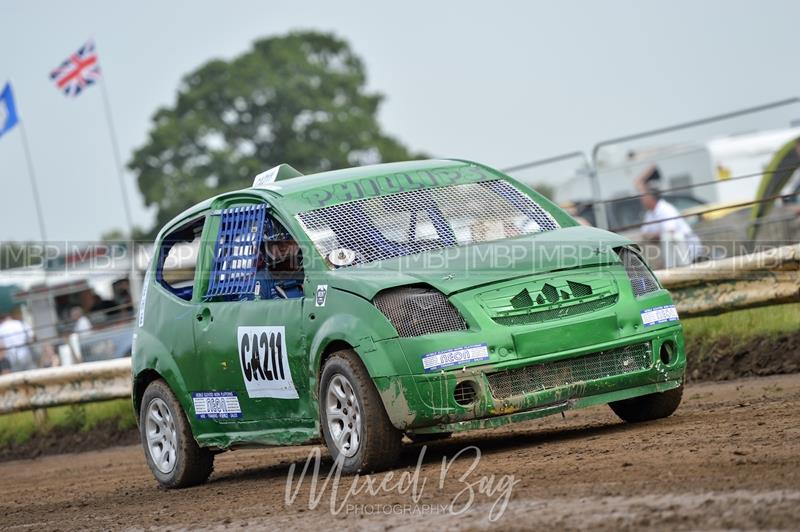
<point>729,458</point>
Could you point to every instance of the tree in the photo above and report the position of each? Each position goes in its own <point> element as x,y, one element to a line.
<point>299,98</point>
<point>545,189</point>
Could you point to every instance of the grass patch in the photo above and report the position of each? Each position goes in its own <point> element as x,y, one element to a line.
<point>756,328</point>
<point>21,427</point>
<point>743,324</point>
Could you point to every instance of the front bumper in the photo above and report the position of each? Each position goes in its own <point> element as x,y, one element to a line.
<point>579,402</point>
<point>425,402</point>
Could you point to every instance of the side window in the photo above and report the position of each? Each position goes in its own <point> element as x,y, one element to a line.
<point>178,259</point>
<point>254,257</point>
<point>280,263</point>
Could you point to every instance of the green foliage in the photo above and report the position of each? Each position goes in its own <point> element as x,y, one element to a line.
<point>113,235</point>
<point>299,98</point>
<point>74,417</point>
<point>117,235</point>
<point>545,190</point>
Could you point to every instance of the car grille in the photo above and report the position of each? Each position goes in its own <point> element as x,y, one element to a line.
<point>540,377</point>
<point>555,313</point>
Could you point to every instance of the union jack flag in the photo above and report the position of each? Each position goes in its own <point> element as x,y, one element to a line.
<point>79,71</point>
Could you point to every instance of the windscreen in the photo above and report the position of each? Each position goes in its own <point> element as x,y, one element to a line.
<point>425,219</point>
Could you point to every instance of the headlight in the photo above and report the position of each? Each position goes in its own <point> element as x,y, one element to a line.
<point>642,280</point>
<point>415,311</point>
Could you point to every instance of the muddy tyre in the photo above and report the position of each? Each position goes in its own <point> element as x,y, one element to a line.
<point>354,423</point>
<point>647,407</point>
<point>172,454</point>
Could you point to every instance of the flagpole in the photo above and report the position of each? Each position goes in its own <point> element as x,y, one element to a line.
<point>117,158</point>
<point>34,187</point>
<point>134,281</point>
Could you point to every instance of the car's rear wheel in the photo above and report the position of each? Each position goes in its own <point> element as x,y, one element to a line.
<point>172,454</point>
<point>356,428</point>
<point>647,407</point>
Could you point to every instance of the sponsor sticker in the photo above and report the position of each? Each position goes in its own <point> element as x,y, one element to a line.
<point>216,405</point>
<point>265,363</point>
<point>658,315</point>
<point>266,178</point>
<point>455,357</point>
<point>321,295</point>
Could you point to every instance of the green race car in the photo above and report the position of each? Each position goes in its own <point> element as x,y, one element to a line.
<point>359,305</point>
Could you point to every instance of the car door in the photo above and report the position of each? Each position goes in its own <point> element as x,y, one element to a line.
<point>252,345</point>
<point>170,316</point>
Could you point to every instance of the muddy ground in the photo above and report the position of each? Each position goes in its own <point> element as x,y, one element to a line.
<point>728,458</point>
<point>60,440</point>
<point>731,358</point>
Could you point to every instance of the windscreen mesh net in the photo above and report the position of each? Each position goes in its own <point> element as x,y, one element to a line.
<point>422,220</point>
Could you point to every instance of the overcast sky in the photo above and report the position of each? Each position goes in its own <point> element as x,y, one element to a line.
<point>497,82</point>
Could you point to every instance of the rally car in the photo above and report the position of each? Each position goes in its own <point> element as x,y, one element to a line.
<point>361,305</point>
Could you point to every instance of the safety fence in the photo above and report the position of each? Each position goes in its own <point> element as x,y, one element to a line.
<point>765,278</point>
<point>81,383</point>
<point>732,177</point>
<point>114,340</point>
<point>759,279</point>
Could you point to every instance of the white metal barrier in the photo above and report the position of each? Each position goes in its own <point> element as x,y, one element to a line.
<point>81,383</point>
<point>759,279</point>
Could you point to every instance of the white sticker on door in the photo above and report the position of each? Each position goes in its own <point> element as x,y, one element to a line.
<point>321,295</point>
<point>216,405</point>
<point>265,363</point>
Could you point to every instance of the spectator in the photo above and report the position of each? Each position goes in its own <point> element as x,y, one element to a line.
<point>101,305</point>
<point>16,337</point>
<point>5,365</point>
<point>48,357</point>
<point>81,323</point>
<point>123,301</point>
<point>663,224</point>
<point>572,209</point>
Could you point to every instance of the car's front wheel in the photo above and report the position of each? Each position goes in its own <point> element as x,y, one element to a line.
<point>356,428</point>
<point>172,453</point>
<point>647,407</point>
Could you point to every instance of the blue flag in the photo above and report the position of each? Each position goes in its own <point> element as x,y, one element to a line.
<point>8,110</point>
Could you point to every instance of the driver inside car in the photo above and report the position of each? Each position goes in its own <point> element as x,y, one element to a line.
<point>279,268</point>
